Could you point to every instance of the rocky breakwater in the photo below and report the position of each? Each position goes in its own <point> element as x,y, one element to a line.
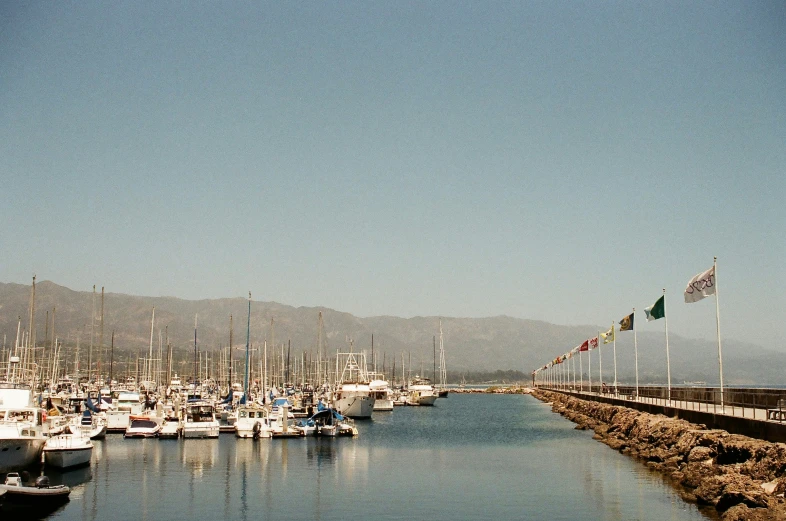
<point>743,478</point>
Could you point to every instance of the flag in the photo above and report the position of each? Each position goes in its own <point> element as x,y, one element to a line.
<point>593,343</point>
<point>700,286</point>
<point>657,310</point>
<point>584,346</point>
<point>608,336</point>
<point>626,324</point>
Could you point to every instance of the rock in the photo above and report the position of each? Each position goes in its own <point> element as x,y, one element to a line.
<point>700,454</point>
<point>736,497</point>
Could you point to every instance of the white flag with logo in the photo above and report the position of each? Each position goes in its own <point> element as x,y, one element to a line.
<point>700,286</point>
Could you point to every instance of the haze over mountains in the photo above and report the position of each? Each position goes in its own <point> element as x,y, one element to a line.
<point>471,344</point>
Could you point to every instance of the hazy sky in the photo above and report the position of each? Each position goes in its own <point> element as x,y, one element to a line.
<point>560,161</point>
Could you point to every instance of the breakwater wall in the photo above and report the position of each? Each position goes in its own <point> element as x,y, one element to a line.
<point>742,477</point>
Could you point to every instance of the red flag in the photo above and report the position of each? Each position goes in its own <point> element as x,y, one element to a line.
<point>593,343</point>
<point>584,346</point>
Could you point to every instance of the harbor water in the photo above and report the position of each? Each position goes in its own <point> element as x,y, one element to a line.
<point>473,456</point>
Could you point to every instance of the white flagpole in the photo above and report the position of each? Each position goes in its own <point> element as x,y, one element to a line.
<point>636,353</point>
<point>600,364</point>
<point>589,366</point>
<point>666,325</point>
<point>614,346</point>
<point>717,322</point>
<point>573,357</point>
<point>581,373</point>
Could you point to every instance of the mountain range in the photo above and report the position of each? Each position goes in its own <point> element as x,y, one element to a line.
<point>471,344</point>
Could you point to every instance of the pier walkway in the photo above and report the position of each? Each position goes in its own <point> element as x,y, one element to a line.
<point>755,412</point>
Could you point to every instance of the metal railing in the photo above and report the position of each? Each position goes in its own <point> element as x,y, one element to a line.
<point>765,404</point>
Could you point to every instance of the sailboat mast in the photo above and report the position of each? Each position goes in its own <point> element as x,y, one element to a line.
<point>248,341</point>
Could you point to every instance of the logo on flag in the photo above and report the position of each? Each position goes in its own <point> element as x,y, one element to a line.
<point>626,324</point>
<point>700,286</point>
<point>608,336</point>
<point>593,343</point>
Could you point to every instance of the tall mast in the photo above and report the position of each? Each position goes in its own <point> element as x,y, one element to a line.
<point>231,328</point>
<point>92,334</point>
<point>150,355</point>
<point>248,342</point>
<point>101,337</point>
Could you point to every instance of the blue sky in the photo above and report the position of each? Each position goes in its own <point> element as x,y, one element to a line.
<point>555,161</point>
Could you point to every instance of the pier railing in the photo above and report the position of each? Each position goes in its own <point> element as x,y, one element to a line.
<point>767,404</point>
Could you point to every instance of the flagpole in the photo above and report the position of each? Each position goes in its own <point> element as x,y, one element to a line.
<point>581,372</point>
<point>600,364</point>
<point>668,363</point>
<point>717,322</point>
<point>636,353</point>
<point>614,346</point>
<point>589,366</point>
<point>574,371</point>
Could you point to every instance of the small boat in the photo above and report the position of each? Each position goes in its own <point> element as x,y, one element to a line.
<point>42,491</point>
<point>421,392</point>
<point>68,450</point>
<point>281,427</point>
<point>142,427</point>
<point>92,426</point>
<point>252,422</point>
<point>200,421</point>
<point>383,395</point>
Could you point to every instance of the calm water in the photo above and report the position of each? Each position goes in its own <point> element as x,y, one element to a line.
<point>469,457</point>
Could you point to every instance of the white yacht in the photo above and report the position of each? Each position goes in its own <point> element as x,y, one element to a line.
<point>353,395</point>
<point>21,427</point>
<point>127,404</point>
<point>200,421</point>
<point>421,392</point>
<point>68,450</point>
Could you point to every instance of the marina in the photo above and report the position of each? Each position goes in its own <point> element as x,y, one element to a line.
<point>472,456</point>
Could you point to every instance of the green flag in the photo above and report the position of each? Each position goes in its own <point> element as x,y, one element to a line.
<point>657,310</point>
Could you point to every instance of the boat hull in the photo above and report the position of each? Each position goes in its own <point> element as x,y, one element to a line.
<point>355,406</point>
<point>35,494</point>
<point>18,453</point>
<point>67,458</point>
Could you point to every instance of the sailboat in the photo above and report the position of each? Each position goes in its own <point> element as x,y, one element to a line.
<point>442,389</point>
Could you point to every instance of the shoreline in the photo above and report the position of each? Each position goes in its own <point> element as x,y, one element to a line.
<point>743,478</point>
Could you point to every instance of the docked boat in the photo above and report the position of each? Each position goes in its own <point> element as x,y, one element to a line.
<point>170,429</point>
<point>383,395</point>
<point>41,492</point>
<point>21,427</point>
<point>68,450</point>
<point>127,404</point>
<point>328,422</point>
<point>353,395</point>
<point>89,425</point>
<point>421,392</point>
<point>142,427</point>
<point>200,421</point>
<point>252,422</point>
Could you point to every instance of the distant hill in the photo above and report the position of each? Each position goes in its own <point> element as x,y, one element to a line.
<point>471,344</point>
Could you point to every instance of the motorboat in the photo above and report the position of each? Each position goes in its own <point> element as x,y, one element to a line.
<point>142,426</point>
<point>68,450</point>
<point>21,427</point>
<point>421,392</point>
<point>127,404</point>
<point>383,395</point>
<point>41,492</point>
<point>200,420</point>
<point>252,422</point>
